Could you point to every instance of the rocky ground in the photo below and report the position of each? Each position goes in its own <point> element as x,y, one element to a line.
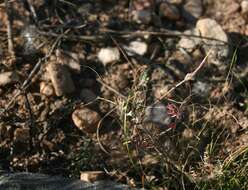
<point>150,93</point>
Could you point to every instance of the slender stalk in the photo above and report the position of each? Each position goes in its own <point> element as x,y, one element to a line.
<point>9,29</point>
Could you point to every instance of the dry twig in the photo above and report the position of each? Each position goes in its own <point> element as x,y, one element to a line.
<point>187,78</point>
<point>32,9</point>
<point>167,33</point>
<point>98,131</point>
<point>9,29</point>
<point>111,89</point>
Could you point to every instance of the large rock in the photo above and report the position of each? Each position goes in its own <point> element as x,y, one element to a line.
<point>25,181</point>
<point>214,38</point>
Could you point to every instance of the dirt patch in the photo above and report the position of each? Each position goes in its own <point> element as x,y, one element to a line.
<point>100,86</point>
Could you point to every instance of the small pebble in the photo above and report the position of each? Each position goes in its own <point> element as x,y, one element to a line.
<point>92,176</point>
<point>142,16</point>
<point>5,131</point>
<point>201,89</point>
<point>109,55</point>
<point>209,28</point>
<point>22,135</point>
<point>46,89</point>
<point>190,43</point>
<point>244,7</point>
<point>157,114</point>
<point>192,10</point>
<point>86,119</point>
<point>61,78</point>
<point>136,47</point>
<point>234,7</point>
<point>169,11</point>
<point>8,78</point>
<point>70,59</point>
<point>142,4</point>
<point>48,145</point>
<point>198,54</point>
<point>176,2</point>
<point>188,133</point>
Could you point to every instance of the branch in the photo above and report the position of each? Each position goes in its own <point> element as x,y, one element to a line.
<point>187,77</point>
<point>9,29</point>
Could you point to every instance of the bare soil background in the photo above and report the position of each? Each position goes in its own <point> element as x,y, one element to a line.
<point>92,86</point>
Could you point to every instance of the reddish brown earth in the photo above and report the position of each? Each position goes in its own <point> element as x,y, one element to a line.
<point>78,113</point>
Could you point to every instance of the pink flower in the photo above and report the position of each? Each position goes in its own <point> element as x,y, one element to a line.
<point>173,111</point>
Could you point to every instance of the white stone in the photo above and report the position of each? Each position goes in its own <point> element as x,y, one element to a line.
<point>211,29</point>
<point>190,43</point>
<point>109,55</point>
<point>137,47</point>
<point>218,40</point>
<point>92,176</point>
